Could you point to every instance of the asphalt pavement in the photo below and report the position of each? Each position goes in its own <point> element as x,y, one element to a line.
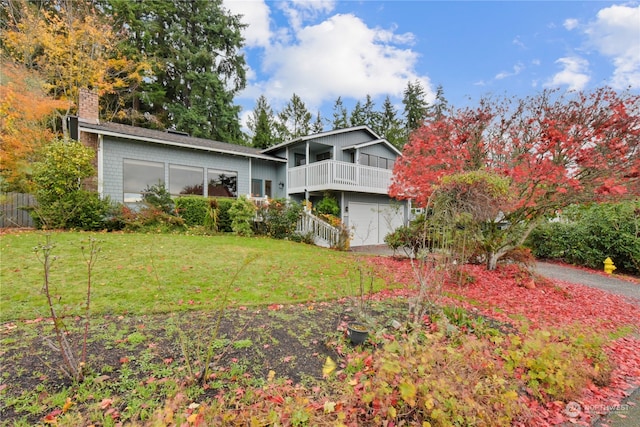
<point>609,283</point>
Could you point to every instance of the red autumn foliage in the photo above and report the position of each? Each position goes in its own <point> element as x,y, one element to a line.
<point>553,150</point>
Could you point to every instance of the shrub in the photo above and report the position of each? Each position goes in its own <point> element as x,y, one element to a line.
<point>280,218</point>
<point>59,178</point>
<point>242,213</point>
<point>411,238</point>
<point>148,219</point>
<point>78,210</point>
<point>556,364</point>
<point>586,235</point>
<point>158,197</point>
<point>224,218</point>
<point>429,381</point>
<point>193,209</point>
<point>328,205</point>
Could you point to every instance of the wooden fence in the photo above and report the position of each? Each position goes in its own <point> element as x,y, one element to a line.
<point>12,210</point>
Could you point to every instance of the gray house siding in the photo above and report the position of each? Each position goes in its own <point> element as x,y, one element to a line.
<point>115,151</point>
<point>379,150</point>
<point>269,171</point>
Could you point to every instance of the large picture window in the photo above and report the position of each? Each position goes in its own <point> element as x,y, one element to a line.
<point>222,183</point>
<point>138,175</point>
<point>186,180</point>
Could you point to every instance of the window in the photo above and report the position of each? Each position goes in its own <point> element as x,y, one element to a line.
<point>390,163</point>
<point>375,161</point>
<point>186,180</point>
<point>138,175</point>
<point>299,159</point>
<point>222,183</point>
<point>267,188</point>
<point>323,156</point>
<point>256,188</point>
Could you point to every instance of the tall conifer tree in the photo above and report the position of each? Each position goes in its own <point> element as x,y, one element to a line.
<point>198,66</point>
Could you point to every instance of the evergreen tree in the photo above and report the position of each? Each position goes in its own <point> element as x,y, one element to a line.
<point>370,115</point>
<point>390,127</point>
<point>415,106</point>
<point>262,124</point>
<point>318,125</point>
<point>357,117</point>
<point>294,120</point>
<point>439,107</point>
<point>340,118</point>
<point>198,66</point>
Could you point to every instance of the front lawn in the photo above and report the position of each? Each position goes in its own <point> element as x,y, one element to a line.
<point>161,273</point>
<point>165,348</point>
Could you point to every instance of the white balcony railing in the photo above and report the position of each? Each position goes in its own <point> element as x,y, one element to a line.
<point>333,175</point>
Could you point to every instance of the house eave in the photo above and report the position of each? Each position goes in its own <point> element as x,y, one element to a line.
<point>159,141</point>
<point>374,142</point>
<point>321,135</point>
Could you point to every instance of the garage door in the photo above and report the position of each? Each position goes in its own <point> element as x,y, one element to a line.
<point>371,222</point>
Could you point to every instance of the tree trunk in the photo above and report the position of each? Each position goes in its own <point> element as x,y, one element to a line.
<point>492,260</point>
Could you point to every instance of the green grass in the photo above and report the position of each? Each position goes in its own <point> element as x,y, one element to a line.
<point>159,273</point>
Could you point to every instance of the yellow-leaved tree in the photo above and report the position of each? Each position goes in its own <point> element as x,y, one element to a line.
<point>72,46</point>
<point>25,112</point>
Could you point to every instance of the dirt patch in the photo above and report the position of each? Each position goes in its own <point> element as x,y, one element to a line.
<point>289,342</point>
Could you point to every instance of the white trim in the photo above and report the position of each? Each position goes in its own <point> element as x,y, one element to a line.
<point>100,159</point>
<point>369,143</point>
<point>322,135</point>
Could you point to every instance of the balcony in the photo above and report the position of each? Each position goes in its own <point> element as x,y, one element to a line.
<point>340,176</point>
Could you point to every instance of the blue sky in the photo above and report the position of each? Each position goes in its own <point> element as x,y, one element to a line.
<point>322,49</point>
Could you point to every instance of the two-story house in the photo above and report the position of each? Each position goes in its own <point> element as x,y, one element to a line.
<point>354,165</point>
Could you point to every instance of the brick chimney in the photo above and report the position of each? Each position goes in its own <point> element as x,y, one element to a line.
<point>88,108</point>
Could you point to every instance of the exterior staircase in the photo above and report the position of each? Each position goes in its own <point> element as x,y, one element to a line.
<point>323,234</point>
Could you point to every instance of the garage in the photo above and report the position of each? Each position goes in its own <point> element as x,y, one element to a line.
<point>371,222</point>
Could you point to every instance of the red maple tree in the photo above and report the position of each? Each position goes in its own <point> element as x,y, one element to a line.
<point>555,149</point>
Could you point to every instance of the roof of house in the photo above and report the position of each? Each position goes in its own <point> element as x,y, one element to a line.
<point>376,139</point>
<point>174,139</point>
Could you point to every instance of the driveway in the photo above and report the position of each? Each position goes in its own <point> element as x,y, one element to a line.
<point>575,275</point>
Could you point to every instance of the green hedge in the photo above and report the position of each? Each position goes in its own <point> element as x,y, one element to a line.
<point>587,235</point>
<point>193,209</point>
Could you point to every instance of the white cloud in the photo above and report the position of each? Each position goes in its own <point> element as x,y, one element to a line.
<point>299,11</point>
<point>570,24</point>
<point>256,16</point>
<point>340,56</point>
<point>616,33</point>
<point>518,42</point>
<point>517,69</point>
<point>574,74</point>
